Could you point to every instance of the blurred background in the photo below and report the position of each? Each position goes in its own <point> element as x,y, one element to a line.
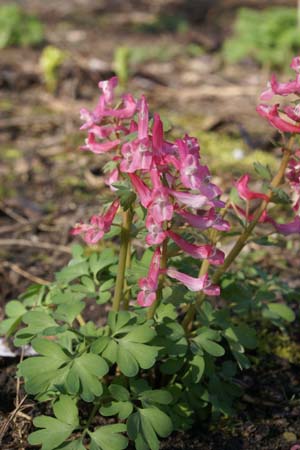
<point>201,64</point>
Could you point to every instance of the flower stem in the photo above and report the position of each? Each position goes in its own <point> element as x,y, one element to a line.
<point>241,242</point>
<point>163,265</point>
<point>124,245</point>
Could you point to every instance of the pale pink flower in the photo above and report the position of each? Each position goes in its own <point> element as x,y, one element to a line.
<point>160,208</point>
<point>112,178</point>
<point>295,64</point>
<point>188,199</point>
<point>156,235</point>
<point>205,251</point>
<point>108,87</point>
<point>143,119</point>
<point>149,284</point>
<point>98,226</point>
<point>194,284</point>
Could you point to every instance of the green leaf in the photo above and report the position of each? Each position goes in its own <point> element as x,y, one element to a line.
<point>68,312</point>
<point>140,334</point>
<point>206,341</point>
<point>73,445</point>
<point>263,171</point>
<point>44,372</point>
<point>84,374</point>
<point>195,370</point>
<point>118,392</point>
<point>56,430</point>
<point>72,272</point>
<point>283,311</point>
<point>65,410</point>
<point>109,438</point>
<point>38,322</point>
<point>280,196</point>
<point>242,334</point>
<point>160,396</point>
<point>144,425</point>
<point>122,409</point>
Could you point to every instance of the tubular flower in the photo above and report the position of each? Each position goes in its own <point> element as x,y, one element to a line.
<point>194,284</point>
<point>245,193</point>
<point>98,226</point>
<point>149,284</point>
<point>214,256</point>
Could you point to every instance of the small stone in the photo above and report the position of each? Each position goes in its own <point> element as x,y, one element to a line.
<point>289,436</point>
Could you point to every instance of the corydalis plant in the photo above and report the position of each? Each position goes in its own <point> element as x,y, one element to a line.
<point>166,356</point>
<point>167,179</point>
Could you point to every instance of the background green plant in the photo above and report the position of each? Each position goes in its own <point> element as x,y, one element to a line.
<point>270,37</point>
<point>19,28</point>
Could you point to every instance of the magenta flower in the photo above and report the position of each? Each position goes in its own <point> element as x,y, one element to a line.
<point>98,226</point>
<point>157,133</point>
<point>288,228</point>
<point>204,220</point>
<point>293,112</point>
<point>99,147</point>
<point>128,110</point>
<point>108,87</point>
<point>141,189</point>
<point>205,251</point>
<point>194,284</point>
<point>245,193</point>
<point>271,113</point>
<point>283,89</point>
<point>295,64</point>
<point>149,284</point>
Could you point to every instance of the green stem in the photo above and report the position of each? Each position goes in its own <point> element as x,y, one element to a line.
<point>127,290</point>
<point>242,240</point>
<point>163,265</point>
<point>125,239</point>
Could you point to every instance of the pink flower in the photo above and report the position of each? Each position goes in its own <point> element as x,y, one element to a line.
<point>108,87</point>
<point>275,88</point>
<point>143,119</point>
<point>188,199</point>
<point>288,228</point>
<point>99,147</point>
<point>98,225</point>
<point>160,207</point>
<point>149,284</point>
<point>194,284</point>
<point>157,133</point>
<point>271,113</point>
<point>156,235</point>
<point>244,191</point>
<point>112,178</point>
<point>141,189</point>
<point>214,256</point>
<point>128,110</point>
<point>205,220</point>
<point>295,64</point>
<point>293,112</point>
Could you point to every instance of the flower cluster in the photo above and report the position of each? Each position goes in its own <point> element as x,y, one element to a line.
<point>168,179</point>
<point>287,120</point>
